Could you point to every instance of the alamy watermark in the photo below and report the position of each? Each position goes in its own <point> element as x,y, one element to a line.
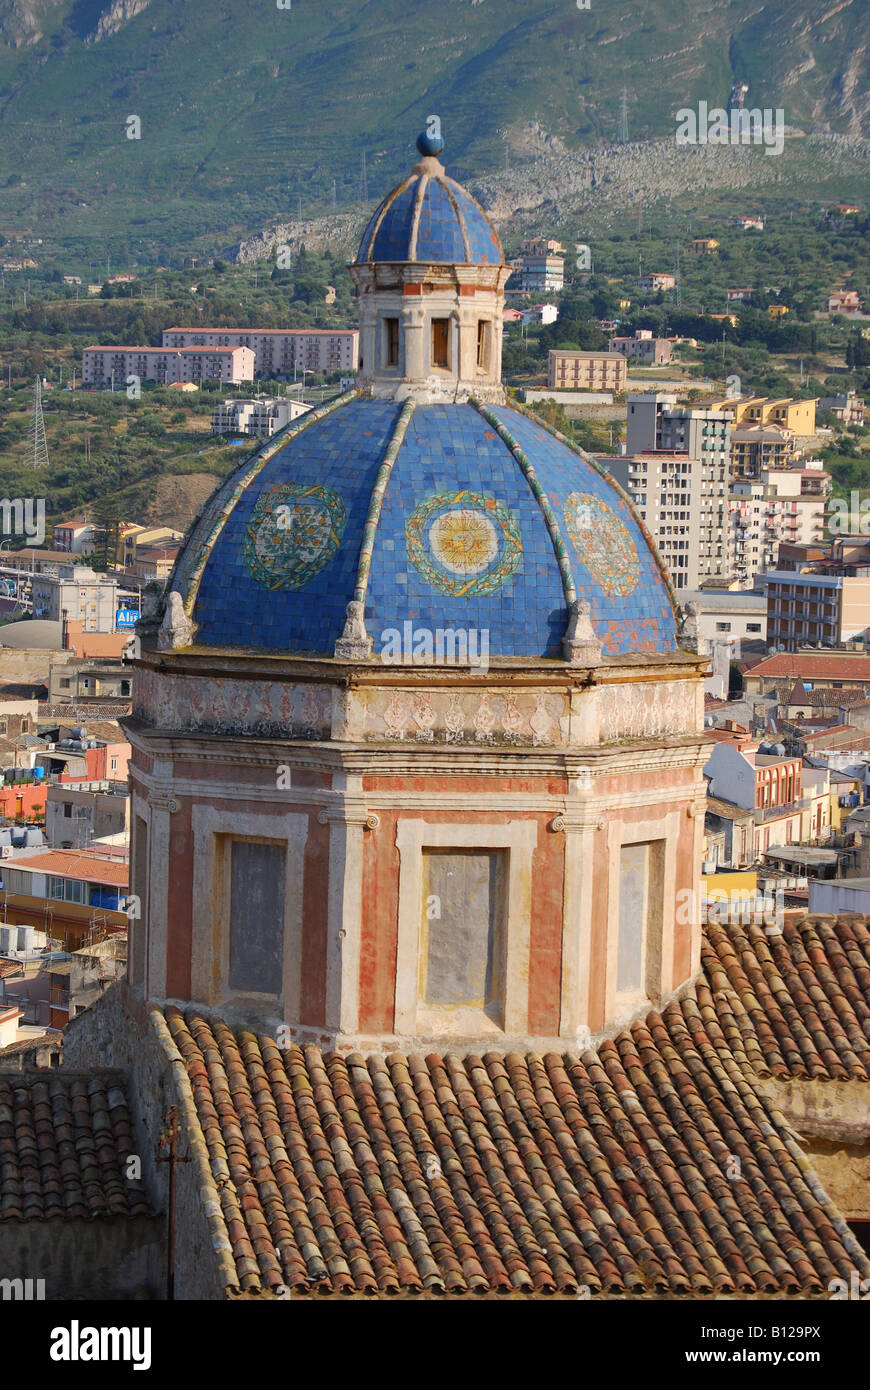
<point>731,906</point>
<point>23,516</point>
<point>441,646</point>
<point>850,518</point>
<point>716,126</point>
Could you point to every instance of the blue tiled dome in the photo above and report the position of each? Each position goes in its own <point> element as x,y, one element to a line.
<point>431,218</point>
<point>458,515</point>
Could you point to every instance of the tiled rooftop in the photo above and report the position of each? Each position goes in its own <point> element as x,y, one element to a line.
<point>796,1004</point>
<point>64,1140</point>
<point>651,1164</point>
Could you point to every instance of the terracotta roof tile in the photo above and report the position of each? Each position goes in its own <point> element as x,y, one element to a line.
<point>63,1145</point>
<point>795,1004</point>
<point>651,1164</point>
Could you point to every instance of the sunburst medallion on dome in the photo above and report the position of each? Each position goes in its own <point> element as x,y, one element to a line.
<point>463,543</point>
<point>602,542</point>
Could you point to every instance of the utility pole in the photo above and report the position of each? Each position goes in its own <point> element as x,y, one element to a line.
<point>677,273</point>
<point>334,202</point>
<point>363,179</point>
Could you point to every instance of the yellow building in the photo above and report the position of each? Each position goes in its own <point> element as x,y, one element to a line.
<point>703,246</point>
<point>797,416</point>
<point>777,311</point>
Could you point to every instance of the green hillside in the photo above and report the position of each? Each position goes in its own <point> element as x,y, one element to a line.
<point>249,110</point>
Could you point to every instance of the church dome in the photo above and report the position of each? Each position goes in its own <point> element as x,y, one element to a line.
<point>442,516</point>
<point>422,500</point>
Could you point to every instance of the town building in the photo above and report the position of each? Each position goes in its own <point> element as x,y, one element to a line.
<point>816,669</point>
<point>758,448</point>
<point>85,597</point>
<point>726,615</point>
<point>751,223</point>
<point>66,893</point>
<point>79,812</point>
<point>781,506</point>
<point>166,365</point>
<point>542,267</point>
<point>676,468</point>
<point>799,416</point>
<point>75,537</point>
<point>261,417</point>
<point>586,371</point>
<point>540,313</point>
<point>819,594</point>
<point>844,302</point>
<point>656,280</point>
<point>847,407</point>
<point>644,347</point>
<point>133,536</point>
<point>153,561</point>
<point>766,789</point>
<point>278,351</point>
<point>703,246</point>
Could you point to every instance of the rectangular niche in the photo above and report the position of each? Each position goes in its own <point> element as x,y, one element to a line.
<point>463,930</point>
<point>256,891</point>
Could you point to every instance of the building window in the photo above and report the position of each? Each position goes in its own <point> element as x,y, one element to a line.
<point>441,343</point>
<point>462,960</point>
<point>256,902</point>
<point>391,342</point>
<point>723,627</point>
<point>753,627</point>
<point>483,344</point>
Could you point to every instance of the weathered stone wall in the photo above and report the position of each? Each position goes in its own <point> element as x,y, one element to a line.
<point>116,1257</point>
<point>832,1120</point>
<point>117,1032</point>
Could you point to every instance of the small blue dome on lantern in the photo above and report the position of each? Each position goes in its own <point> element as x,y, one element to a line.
<point>430,218</point>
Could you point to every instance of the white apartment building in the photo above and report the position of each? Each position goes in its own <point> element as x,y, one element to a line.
<point>542,273</point>
<point>87,597</point>
<point>768,511</point>
<point>166,366</point>
<point>258,417</point>
<point>279,351</point>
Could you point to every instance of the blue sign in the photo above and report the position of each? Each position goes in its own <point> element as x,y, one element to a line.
<point>126,618</point>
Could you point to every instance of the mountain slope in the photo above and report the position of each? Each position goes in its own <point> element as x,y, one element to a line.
<point>245,108</point>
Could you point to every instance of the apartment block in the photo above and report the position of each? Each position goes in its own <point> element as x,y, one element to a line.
<point>167,365</point>
<point>819,594</point>
<point>279,351</point>
<point>542,274</point>
<point>586,371</point>
<point>756,448</point>
<point>790,414</point>
<point>86,597</point>
<point>258,417</point>
<point>781,506</point>
<point>679,475</point>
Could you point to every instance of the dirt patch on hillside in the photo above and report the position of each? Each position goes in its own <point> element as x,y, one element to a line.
<point>176,500</point>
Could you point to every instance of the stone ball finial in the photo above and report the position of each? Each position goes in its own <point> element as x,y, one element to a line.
<point>430,141</point>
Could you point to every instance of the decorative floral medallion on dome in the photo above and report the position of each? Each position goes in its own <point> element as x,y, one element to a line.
<point>294,532</point>
<point>463,543</point>
<point>602,542</point>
